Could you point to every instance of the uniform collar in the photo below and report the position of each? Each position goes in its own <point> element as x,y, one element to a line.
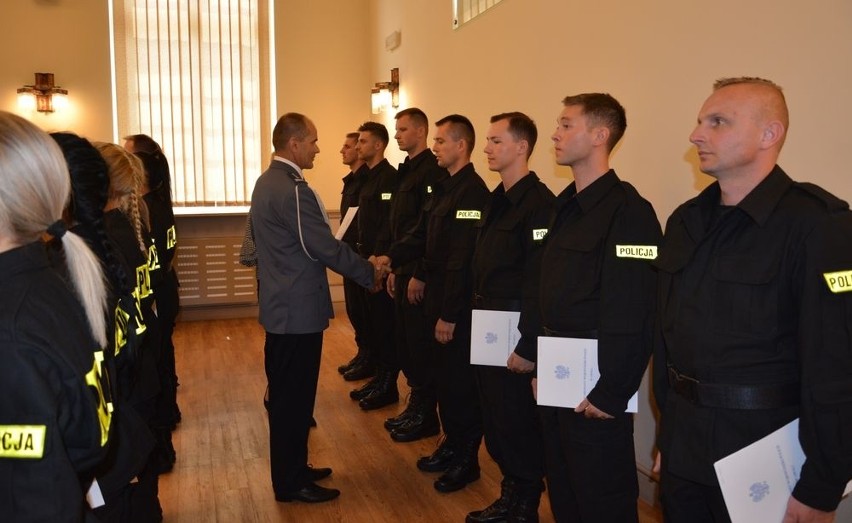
<point>21,259</point>
<point>450,182</point>
<point>414,163</point>
<point>516,193</point>
<point>758,204</point>
<point>287,162</point>
<point>591,195</point>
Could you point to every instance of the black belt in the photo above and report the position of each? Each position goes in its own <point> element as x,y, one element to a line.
<point>586,335</point>
<point>729,396</point>
<point>495,304</point>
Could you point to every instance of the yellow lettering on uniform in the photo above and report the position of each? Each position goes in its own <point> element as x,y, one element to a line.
<point>386,196</point>
<point>143,282</point>
<point>539,234</point>
<point>22,441</point>
<point>428,189</point>
<point>467,215</point>
<point>171,238</point>
<point>94,379</point>
<point>153,259</point>
<point>121,321</point>
<point>839,281</point>
<point>642,252</point>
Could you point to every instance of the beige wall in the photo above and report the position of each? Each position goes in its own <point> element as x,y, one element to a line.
<point>659,58</point>
<point>69,38</point>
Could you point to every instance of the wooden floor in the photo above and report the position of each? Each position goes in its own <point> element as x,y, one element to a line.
<point>222,471</point>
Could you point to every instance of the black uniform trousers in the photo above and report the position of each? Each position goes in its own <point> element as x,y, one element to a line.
<point>590,463</point>
<point>356,310</point>
<point>458,399</point>
<point>511,425</point>
<point>292,364</point>
<point>168,304</point>
<point>381,329</point>
<point>415,346</point>
<point>686,501</point>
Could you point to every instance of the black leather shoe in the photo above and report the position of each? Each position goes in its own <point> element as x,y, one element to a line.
<point>380,397</point>
<point>417,427</point>
<point>364,390</point>
<point>398,420</point>
<point>361,371</point>
<point>310,493</point>
<point>316,474</point>
<point>439,461</point>
<point>496,512</point>
<point>458,476</point>
<point>346,367</point>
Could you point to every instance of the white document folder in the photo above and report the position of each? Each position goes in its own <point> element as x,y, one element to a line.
<point>567,370</point>
<point>493,336</point>
<point>757,480</point>
<point>346,222</point>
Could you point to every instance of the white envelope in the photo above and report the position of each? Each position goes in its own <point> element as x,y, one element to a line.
<point>757,480</point>
<point>493,336</point>
<point>567,370</point>
<point>346,222</point>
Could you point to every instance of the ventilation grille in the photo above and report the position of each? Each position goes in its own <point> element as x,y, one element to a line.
<point>210,272</point>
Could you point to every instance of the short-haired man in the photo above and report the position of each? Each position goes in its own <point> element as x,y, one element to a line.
<point>592,288</point>
<point>353,294</point>
<point>374,238</point>
<point>418,174</point>
<point>754,311</point>
<point>294,247</point>
<point>444,238</point>
<point>505,278</point>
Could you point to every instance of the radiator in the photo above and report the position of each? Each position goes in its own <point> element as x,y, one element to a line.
<point>210,273</point>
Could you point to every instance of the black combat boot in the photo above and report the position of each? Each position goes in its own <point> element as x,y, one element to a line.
<point>421,423</point>
<point>463,470</point>
<point>498,511</point>
<point>346,367</point>
<point>361,371</point>
<point>440,460</point>
<point>364,390</point>
<point>384,393</point>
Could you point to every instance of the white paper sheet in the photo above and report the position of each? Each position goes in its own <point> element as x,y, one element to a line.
<point>757,480</point>
<point>493,336</point>
<point>567,370</point>
<point>346,222</point>
<point>94,496</point>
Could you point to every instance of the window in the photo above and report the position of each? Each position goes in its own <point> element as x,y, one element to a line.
<point>465,10</point>
<point>193,74</point>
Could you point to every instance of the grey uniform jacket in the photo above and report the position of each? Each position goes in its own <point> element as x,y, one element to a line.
<point>294,246</point>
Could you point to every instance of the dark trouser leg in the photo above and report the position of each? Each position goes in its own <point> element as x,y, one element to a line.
<point>292,364</point>
<point>685,501</point>
<point>458,399</point>
<point>591,467</point>
<point>383,329</point>
<point>356,309</point>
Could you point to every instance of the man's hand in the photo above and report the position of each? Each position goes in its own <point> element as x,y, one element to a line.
<point>384,262</point>
<point>534,385</point>
<point>444,331</point>
<point>590,411</point>
<point>390,285</point>
<point>658,459</point>
<point>415,291</point>
<point>379,272</point>
<point>798,512</point>
<point>518,364</point>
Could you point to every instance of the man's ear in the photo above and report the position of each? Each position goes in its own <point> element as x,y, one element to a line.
<point>773,132</point>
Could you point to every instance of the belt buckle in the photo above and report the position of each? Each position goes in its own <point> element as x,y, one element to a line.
<point>684,385</point>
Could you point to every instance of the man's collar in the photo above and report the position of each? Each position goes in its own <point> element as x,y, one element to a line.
<point>517,191</point>
<point>288,162</point>
<point>759,203</point>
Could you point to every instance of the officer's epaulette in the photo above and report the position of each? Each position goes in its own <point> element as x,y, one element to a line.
<point>832,203</point>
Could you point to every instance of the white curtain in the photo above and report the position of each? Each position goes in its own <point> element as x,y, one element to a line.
<point>188,73</point>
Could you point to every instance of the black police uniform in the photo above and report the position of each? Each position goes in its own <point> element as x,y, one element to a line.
<point>755,315</point>
<point>54,417</point>
<point>374,204</point>
<point>505,274</point>
<point>417,177</point>
<point>353,294</point>
<point>591,288</point>
<point>444,237</point>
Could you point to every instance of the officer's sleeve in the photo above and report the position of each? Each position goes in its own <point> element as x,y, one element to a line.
<point>535,230</point>
<point>458,284</point>
<point>411,246</point>
<point>388,184</point>
<point>627,299</point>
<point>306,217</point>
<point>825,351</point>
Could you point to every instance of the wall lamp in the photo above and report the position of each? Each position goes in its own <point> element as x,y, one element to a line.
<point>42,92</point>
<point>386,94</point>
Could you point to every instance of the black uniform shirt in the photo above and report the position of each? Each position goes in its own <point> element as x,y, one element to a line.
<point>445,237</point>
<point>597,282</point>
<point>374,204</point>
<point>759,294</point>
<point>352,184</point>
<point>50,433</point>
<point>508,252</point>
<point>163,234</point>
<point>417,177</point>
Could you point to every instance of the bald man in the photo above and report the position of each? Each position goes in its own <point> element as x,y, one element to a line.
<point>755,314</point>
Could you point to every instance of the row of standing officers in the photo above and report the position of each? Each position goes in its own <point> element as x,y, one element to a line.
<point>740,304</point>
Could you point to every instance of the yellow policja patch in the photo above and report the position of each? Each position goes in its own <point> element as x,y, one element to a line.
<point>642,252</point>
<point>539,234</point>
<point>467,215</point>
<point>22,441</point>
<point>839,281</point>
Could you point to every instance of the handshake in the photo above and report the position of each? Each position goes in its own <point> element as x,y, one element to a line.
<point>381,268</point>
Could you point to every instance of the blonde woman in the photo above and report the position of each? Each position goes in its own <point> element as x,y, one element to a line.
<point>54,408</point>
